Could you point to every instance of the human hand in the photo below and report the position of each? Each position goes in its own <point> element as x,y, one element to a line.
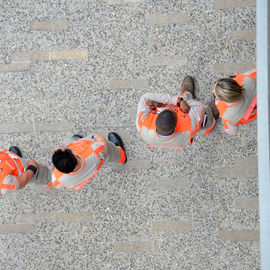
<point>152,105</point>
<point>33,163</point>
<point>184,106</point>
<point>99,138</point>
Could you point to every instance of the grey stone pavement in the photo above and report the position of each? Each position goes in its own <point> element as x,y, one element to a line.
<point>80,67</point>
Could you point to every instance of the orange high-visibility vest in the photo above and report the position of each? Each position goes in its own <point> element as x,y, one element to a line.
<point>250,110</point>
<point>83,149</point>
<point>10,163</point>
<point>183,125</point>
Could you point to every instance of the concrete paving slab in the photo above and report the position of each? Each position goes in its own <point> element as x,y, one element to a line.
<point>50,55</point>
<point>171,226</point>
<point>15,67</point>
<point>133,247</point>
<point>163,19</point>
<point>16,228</point>
<point>239,235</point>
<point>36,127</point>
<point>123,84</point>
<point>222,4</point>
<point>234,67</point>
<point>249,34</point>
<point>243,168</point>
<point>49,25</point>
<point>247,203</point>
<point>163,60</point>
<point>55,217</point>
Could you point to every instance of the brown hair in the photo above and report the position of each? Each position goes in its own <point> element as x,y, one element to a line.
<point>229,90</point>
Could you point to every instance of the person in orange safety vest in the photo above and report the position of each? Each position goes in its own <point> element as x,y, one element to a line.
<point>16,172</point>
<point>172,121</point>
<point>236,100</point>
<point>80,159</point>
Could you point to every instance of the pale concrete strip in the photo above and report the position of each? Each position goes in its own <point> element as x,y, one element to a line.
<point>15,67</point>
<point>248,34</point>
<point>114,2</point>
<point>16,127</point>
<point>31,56</point>
<point>171,226</point>
<point>68,54</point>
<point>244,167</point>
<point>169,18</point>
<point>123,84</point>
<point>221,4</point>
<point>49,25</point>
<point>16,228</point>
<point>167,183</point>
<point>163,60</point>
<point>54,217</point>
<point>50,55</point>
<point>132,247</point>
<point>54,126</point>
<point>246,203</point>
<point>233,67</point>
<point>239,235</point>
<point>134,165</point>
<point>29,127</point>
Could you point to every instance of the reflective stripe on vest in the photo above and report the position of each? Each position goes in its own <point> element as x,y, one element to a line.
<point>234,109</point>
<point>83,149</point>
<point>9,164</point>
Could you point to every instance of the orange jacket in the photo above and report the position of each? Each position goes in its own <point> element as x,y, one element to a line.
<point>9,164</point>
<point>183,125</point>
<point>247,113</point>
<point>83,149</point>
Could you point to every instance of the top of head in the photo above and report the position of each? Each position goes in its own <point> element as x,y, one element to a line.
<point>64,160</point>
<point>229,90</point>
<point>166,122</point>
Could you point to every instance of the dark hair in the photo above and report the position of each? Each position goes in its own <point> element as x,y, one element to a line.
<point>64,160</point>
<point>166,122</point>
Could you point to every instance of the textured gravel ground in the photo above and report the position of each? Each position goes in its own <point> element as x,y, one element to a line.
<point>123,43</point>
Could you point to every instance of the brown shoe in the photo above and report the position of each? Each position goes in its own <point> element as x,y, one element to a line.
<point>214,109</point>
<point>188,85</point>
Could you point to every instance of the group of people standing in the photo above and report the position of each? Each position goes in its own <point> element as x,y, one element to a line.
<point>163,120</point>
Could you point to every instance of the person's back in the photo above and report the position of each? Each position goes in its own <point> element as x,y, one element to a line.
<point>172,121</point>
<point>80,159</point>
<point>16,172</point>
<point>172,128</point>
<point>236,100</point>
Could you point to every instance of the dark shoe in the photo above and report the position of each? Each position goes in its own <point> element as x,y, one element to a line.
<point>77,136</point>
<point>188,85</point>
<point>214,109</point>
<point>15,150</point>
<point>117,140</point>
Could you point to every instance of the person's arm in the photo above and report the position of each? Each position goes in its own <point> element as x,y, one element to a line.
<point>230,129</point>
<point>27,175</point>
<point>150,101</point>
<point>101,139</point>
<point>196,112</point>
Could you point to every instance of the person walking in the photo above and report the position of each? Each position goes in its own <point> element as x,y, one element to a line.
<point>172,121</point>
<point>16,172</point>
<point>79,159</point>
<point>236,100</point>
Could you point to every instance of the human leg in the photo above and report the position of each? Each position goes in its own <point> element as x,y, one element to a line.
<point>116,149</point>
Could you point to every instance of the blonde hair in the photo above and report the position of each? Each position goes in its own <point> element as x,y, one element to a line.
<point>229,90</point>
